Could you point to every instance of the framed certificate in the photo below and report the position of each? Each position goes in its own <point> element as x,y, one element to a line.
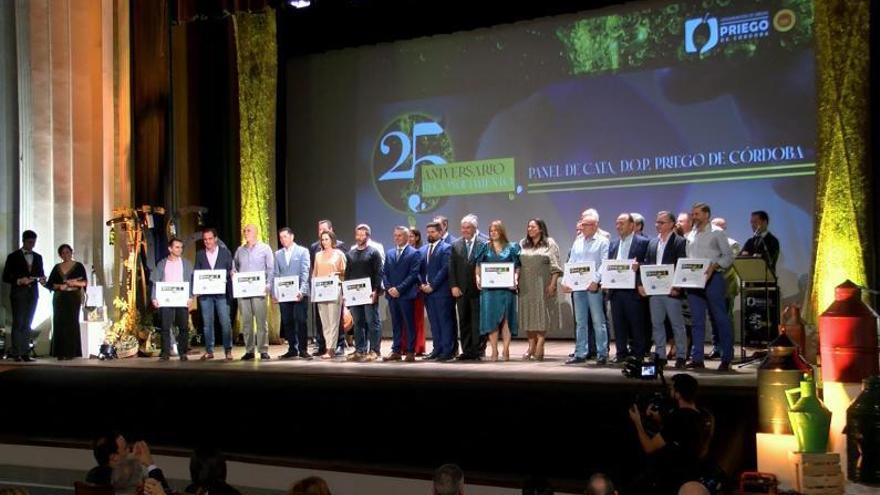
<point>579,276</point>
<point>357,292</point>
<point>618,274</point>
<point>325,289</point>
<point>209,282</point>
<point>497,275</point>
<point>248,284</point>
<point>657,279</point>
<point>690,273</point>
<point>94,296</point>
<point>286,288</point>
<point>172,294</point>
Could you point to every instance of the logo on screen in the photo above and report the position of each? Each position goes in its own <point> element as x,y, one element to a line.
<point>700,34</point>
<point>410,142</point>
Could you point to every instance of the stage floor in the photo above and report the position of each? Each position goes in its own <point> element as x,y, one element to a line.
<point>552,369</point>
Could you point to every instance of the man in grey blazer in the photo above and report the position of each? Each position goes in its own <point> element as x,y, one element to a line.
<point>173,268</point>
<point>293,260</point>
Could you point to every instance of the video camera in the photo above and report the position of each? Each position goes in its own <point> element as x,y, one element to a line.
<point>644,369</point>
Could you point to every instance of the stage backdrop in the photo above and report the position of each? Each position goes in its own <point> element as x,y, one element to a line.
<point>646,107</point>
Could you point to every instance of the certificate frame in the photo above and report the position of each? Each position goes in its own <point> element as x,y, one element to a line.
<point>248,284</point>
<point>357,292</point>
<point>657,279</point>
<point>172,294</point>
<point>209,282</point>
<point>618,274</point>
<point>579,275</point>
<point>690,273</point>
<point>94,296</point>
<point>325,289</point>
<point>497,275</point>
<point>286,288</point>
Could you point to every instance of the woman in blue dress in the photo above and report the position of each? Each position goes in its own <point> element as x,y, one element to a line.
<point>498,305</point>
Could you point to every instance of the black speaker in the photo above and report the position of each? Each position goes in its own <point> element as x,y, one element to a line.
<point>757,330</point>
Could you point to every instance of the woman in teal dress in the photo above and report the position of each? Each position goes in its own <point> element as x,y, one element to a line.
<point>498,306</point>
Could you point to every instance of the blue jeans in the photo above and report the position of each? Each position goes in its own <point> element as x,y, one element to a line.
<point>590,305</point>
<point>712,298</point>
<point>218,303</point>
<point>367,327</point>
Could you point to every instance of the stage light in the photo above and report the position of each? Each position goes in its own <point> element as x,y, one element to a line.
<point>299,4</point>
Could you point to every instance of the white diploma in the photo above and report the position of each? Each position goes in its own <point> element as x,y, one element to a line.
<point>248,284</point>
<point>209,282</point>
<point>618,274</point>
<point>94,296</point>
<point>325,289</point>
<point>357,292</point>
<point>579,276</point>
<point>657,279</point>
<point>691,273</point>
<point>286,288</point>
<point>497,275</point>
<point>172,294</point>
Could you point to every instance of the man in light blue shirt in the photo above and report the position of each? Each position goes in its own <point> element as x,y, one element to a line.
<point>254,256</point>
<point>293,260</point>
<point>589,246</point>
<point>707,243</point>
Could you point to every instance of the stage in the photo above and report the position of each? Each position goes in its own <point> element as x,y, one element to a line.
<point>500,420</point>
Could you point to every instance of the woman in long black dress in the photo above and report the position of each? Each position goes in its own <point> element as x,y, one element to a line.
<point>67,281</point>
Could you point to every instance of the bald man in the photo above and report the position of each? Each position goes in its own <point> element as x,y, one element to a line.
<point>254,256</point>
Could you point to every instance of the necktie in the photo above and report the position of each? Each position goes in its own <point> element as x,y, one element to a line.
<point>430,252</point>
<point>468,244</point>
<point>399,251</point>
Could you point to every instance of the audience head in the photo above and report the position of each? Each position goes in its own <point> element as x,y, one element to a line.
<point>207,466</point>
<point>600,484</point>
<point>448,480</point>
<point>469,226</point>
<point>693,488</point>
<point>684,388</point>
<point>128,474</point>
<point>109,448</point>
<point>312,485</point>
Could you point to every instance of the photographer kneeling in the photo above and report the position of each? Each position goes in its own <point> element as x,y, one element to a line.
<point>675,452</point>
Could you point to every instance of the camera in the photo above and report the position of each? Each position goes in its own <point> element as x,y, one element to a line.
<point>644,369</point>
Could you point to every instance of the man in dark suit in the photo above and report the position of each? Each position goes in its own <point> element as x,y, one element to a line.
<point>463,286</point>
<point>23,271</point>
<point>326,226</point>
<point>445,236</point>
<point>763,244</point>
<point>666,249</point>
<point>627,306</point>
<point>215,256</point>
<point>400,276</point>
<point>434,278</point>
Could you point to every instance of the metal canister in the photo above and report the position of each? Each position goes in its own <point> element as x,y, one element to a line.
<point>848,337</point>
<point>863,435</point>
<point>782,369</point>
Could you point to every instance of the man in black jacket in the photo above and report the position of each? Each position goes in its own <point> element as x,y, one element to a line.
<point>463,284</point>
<point>23,271</point>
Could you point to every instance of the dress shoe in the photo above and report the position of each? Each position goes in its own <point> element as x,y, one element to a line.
<point>27,359</point>
<point>229,355</point>
<point>430,357</point>
<point>724,366</point>
<point>288,355</point>
<point>695,365</point>
<point>576,360</point>
<point>410,357</point>
<point>248,356</point>
<point>679,364</point>
<point>164,357</point>
<point>716,354</point>
<point>464,357</point>
<point>319,353</point>
<point>184,357</point>
<point>305,355</point>
<point>601,361</point>
<point>619,360</point>
<point>373,356</point>
<point>355,357</point>
<point>206,356</point>
<point>264,356</point>
<point>394,356</point>
<point>445,357</point>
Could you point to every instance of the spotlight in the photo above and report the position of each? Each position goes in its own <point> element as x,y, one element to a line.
<point>299,4</point>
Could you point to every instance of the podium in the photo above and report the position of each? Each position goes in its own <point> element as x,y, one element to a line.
<point>759,303</point>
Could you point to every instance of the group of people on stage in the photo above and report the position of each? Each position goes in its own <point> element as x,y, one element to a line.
<point>443,276</point>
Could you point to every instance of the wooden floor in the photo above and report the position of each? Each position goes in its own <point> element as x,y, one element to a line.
<point>552,369</point>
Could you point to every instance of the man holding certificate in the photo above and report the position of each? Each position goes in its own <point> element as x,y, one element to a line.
<point>254,257</point>
<point>172,296</point>
<point>588,247</point>
<point>212,283</point>
<point>656,283</point>
<point>627,306</point>
<point>291,292</point>
<point>708,244</point>
<point>365,262</point>
<point>434,277</point>
<point>400,276</point>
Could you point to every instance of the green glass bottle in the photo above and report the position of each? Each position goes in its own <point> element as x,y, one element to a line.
<point>810,419</point>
